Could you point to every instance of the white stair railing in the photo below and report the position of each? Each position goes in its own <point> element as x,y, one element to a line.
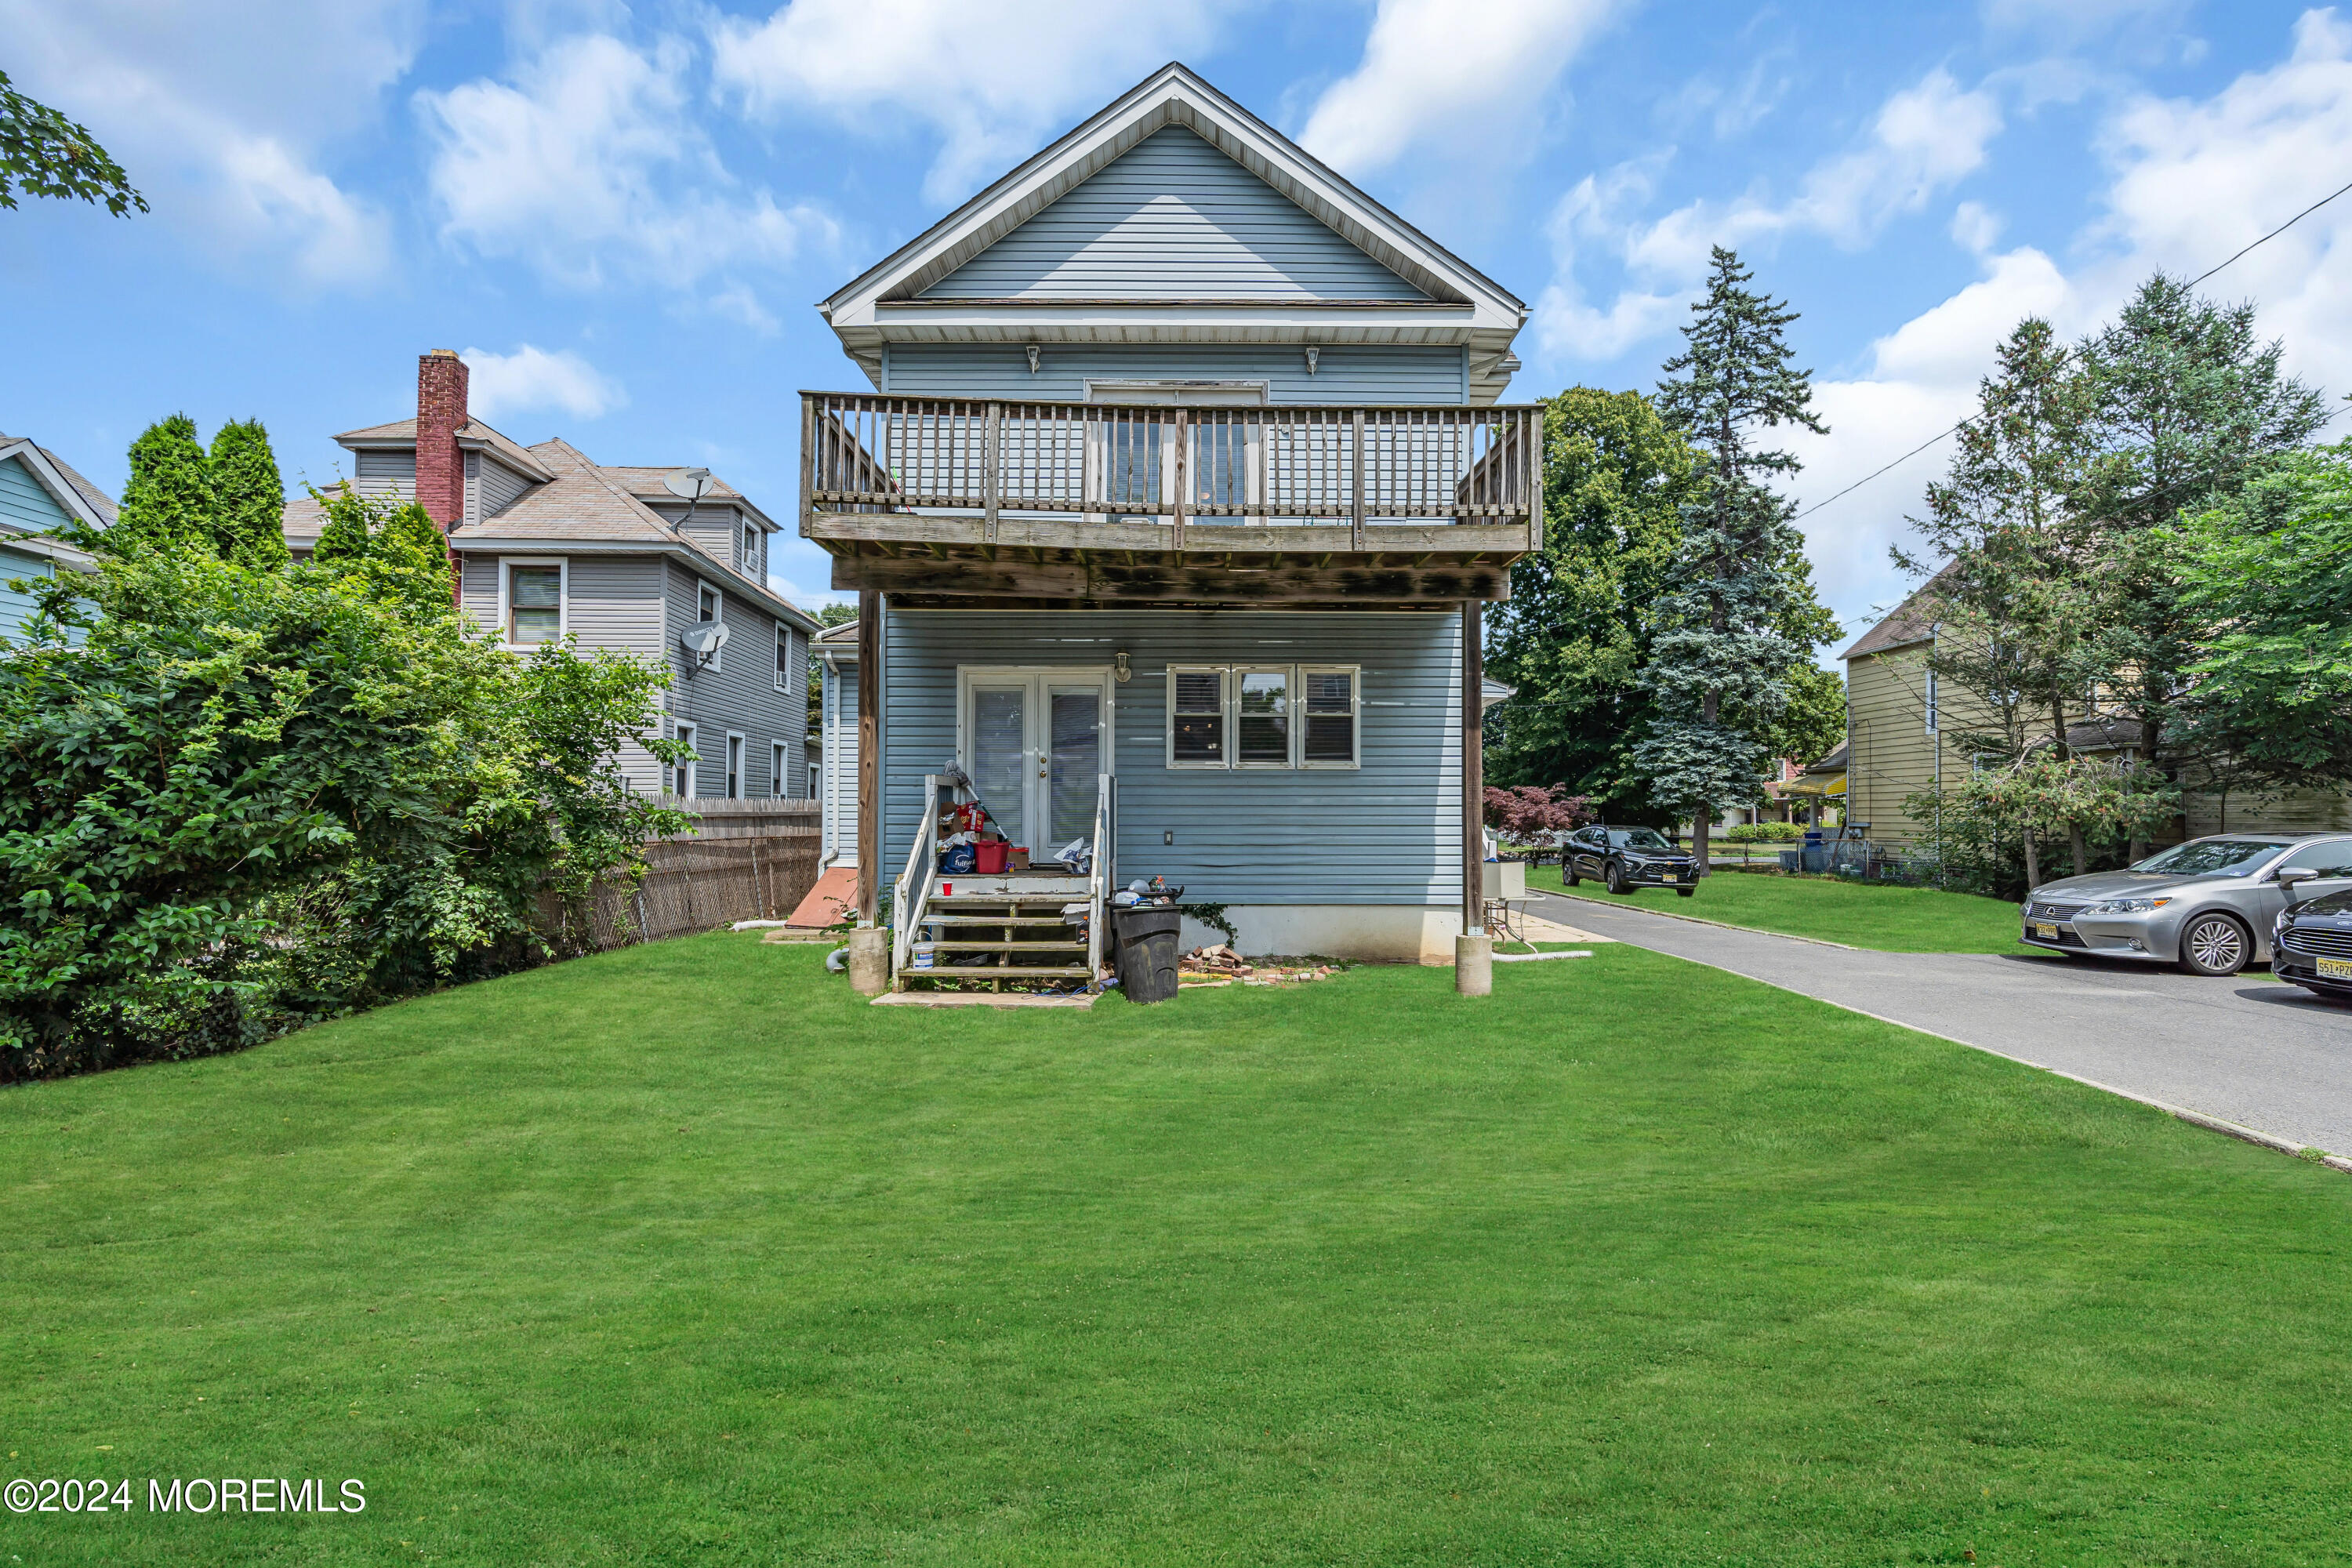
<point>911,894</point>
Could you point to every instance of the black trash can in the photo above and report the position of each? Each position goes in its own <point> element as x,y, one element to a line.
<point>1147,951</point>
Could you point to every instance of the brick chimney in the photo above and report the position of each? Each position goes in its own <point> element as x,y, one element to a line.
<point>441,380</point>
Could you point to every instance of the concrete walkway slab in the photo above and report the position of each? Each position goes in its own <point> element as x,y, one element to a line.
<point>2247,1050</point>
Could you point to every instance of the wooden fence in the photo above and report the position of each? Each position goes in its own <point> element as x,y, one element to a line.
<point>750,860</point>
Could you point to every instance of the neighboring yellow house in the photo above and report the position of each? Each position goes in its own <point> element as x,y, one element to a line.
<point>1899,741</point>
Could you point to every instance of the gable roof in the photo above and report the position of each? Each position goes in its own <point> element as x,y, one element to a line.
<point>74,494</point>
<point>892,301</point>
<point>1912,621</point>
<point>472,433</point>
<point>1173,205</point>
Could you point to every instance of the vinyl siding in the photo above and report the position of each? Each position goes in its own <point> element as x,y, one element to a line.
<point>1388,833</point>
<point>17,603</point>
<point>500,487</point>
<point>611,602</point>
<point>384,474</point>
<point>839,719</point>
<point>1173,218</point>
<point>24,504</point>
<point>714,526</point>
<point>1374,373</point>
<point>740,694</point>
<point>1890,754</point>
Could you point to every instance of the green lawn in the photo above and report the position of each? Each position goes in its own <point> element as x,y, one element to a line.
<point>681,1255</point>
<point>1877,915</point>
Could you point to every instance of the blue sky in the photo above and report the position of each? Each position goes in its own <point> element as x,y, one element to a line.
<point>621,215</point>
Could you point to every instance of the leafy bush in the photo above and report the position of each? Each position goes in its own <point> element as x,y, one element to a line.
<point>1980,829</point>
<point>1536,817</point>
<point>235,800</point>
<point>1764,833</point>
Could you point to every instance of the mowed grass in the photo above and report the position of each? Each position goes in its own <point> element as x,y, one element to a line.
<point>1877,915</point>
<point>682,1255</point>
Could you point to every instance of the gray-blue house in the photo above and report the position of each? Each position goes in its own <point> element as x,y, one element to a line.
<point>1171,512</point>
<point>39,496</point>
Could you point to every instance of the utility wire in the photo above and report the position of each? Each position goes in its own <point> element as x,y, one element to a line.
<point>2192,283</point>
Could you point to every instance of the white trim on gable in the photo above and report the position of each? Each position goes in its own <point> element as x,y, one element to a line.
<point>45,474</point>
<point>1464,306</point>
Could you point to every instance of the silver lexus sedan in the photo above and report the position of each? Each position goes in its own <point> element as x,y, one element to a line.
<point>2207,905</point>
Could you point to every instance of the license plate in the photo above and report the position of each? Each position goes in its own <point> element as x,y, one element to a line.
<point>2334,968</point>
<point>1666,877</point>
<point>2046,932</point>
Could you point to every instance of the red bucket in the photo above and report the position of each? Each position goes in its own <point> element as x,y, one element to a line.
<point>989,856</point>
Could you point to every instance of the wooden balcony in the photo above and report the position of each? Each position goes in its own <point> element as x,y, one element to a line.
<point>1124,504</point>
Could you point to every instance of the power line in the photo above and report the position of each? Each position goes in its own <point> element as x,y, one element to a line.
<point>2192,283</point>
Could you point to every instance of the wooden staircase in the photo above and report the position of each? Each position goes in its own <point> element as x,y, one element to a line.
<point>1006,928</point>
<point>1029,930</point>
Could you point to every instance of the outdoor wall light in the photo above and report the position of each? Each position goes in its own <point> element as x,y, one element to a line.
<point>1033,351</point>
<point>1120,669</point>
<point>1312,356</point>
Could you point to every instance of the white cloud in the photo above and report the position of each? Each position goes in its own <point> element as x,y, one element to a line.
<point>227,141</point>
<point>1439,71</point>
<point>2192,181</point>
<point>587,164</point>
<point>532,378</point>
<point>991,77</point>
<point>1923,138</point>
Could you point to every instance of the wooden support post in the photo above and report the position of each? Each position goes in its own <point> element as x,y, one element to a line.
<point>1474,774</point>
<point>1356,468</point>
<point>988,499</point>
<point>869,755</point>
<point>808,464</point>
<point>1532,422</point>
<point>1177,543</point>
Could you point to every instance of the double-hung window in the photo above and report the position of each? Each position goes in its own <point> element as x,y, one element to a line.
<point>784,659</point>
<point>776,770</point>
<point>1264,716</point>
<point>534,592</point>
<point>681,771</point>
<point>734,767</point>
<point>708,606</point>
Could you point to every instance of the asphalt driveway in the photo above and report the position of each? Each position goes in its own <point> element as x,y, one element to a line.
<point>2247,1050</point>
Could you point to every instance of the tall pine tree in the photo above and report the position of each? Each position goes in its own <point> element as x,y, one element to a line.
<point>1739,618</point>
<point>168,502</point>
<point>248,496</point>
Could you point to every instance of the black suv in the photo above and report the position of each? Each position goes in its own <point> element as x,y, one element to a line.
<point>1626,859</point>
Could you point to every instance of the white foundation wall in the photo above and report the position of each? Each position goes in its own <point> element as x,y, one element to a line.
<point>1404,933</point>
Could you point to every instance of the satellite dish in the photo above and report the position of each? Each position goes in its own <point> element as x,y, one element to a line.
<point>704,638</point>
<point>690,484</point>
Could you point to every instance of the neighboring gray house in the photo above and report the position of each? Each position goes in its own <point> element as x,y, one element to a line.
<point>39,494</point>
<point>550,544</point>
<point>837,653</point>
<point>1172,509</point>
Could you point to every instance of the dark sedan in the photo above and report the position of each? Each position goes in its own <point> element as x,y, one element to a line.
<point>1626,859</point>
<point>2311,946</point>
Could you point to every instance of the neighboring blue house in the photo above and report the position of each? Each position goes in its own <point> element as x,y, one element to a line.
<point>38,496</point>
<point>1171,516</point>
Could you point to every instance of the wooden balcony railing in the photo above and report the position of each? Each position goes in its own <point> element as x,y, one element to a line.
<point>1340,467</point>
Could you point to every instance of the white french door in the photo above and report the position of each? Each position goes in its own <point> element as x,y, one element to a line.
<point>1035,743</point>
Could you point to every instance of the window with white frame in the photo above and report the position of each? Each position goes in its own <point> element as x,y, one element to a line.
<point>1932,715</point>
<point>708,606</point>
<point>784,659</point>
<point>776,770</point>
<point>1328,736</point>
<point>734,766</point>
<point>1196,716</point>
<point>681,771</point>
<point>1237,716</point>
<point>534,592</point>
<point>1262,718</point>
<point>751,549</point>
